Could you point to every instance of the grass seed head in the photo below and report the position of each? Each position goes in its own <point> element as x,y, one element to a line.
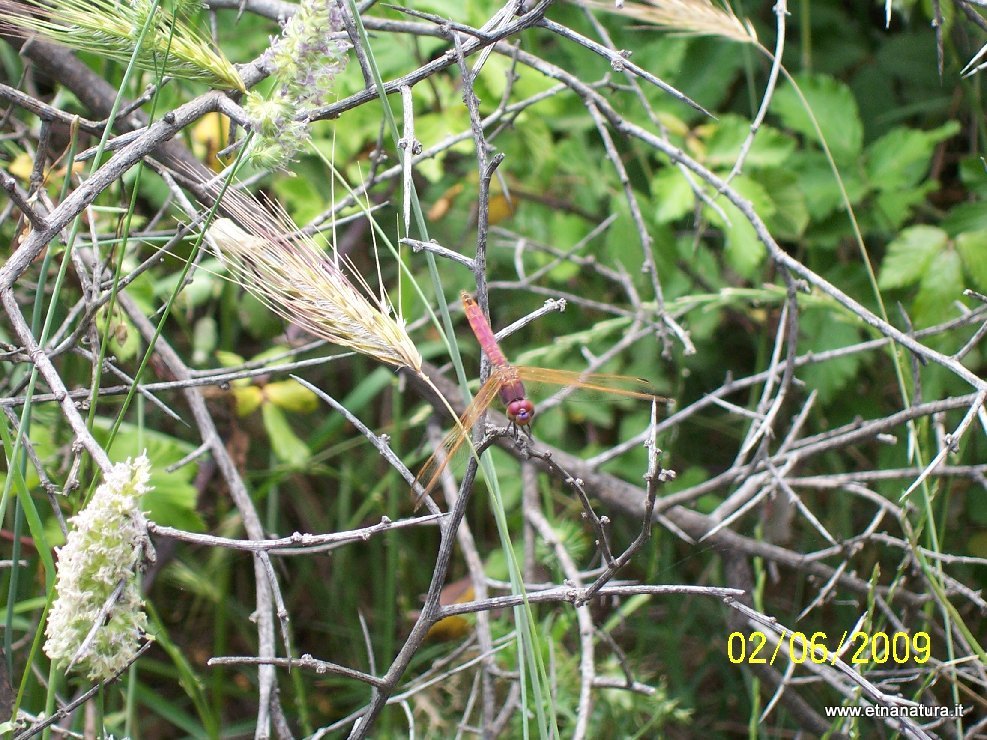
<point>689,17</point>
<point>111,29</point>
<point>323,293</point>
<point>304,62</point>
<point>97,619</point>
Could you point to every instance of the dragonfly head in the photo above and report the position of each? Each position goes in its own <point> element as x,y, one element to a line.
<point>521,412</point>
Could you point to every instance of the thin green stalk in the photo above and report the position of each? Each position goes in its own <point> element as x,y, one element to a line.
<point>36,527</point>
<point>523,616</point>
<point>54,676</point>
<point>117,272</point>
<point>433,270</point>
<point>15,559</point>
<point>130,708</point>
<point>26,500</point>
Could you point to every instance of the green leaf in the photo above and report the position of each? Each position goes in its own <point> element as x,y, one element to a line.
<point>622,244</point>
<point>791,214</point>
<point>973,174</point>
<point>941,286</point>
<point>172,503</point>
<point>672,195</point>
<point>822,190</point>
<point>707,62</point>
<point>826,329</point>
<point>892,208</point>
<point>744,251</point>
<point>499,71</point>
<point>257,318</point>
<point>205,334</point>
<point>910,254</point>
<point>965,217</point>
<point>303,197</point>
<point>972,248</point>
<point>834,109</point>
<point>285,444</point>
<point>430,129</point>
<point>901,157</point>
<point>172,499</point>
<point>203,288</point>
<point>771,147</point>
<point>124,339</point>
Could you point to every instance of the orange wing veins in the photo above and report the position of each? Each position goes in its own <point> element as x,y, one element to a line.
<point>621,385</point>
<point>453,441</point>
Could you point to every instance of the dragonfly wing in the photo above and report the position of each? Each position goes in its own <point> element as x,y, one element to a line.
<point>453,441</point>
<point>621,385</point>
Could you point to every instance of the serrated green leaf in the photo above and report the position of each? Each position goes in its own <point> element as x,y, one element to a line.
<point>672,195</point>
<point>973,174</point>
<point>834,109</point>
<point>173,504</point>
<point>972,248</point>
<point>285,444</point>
<point>744,251</point>
<point>940,287</point>
<point>901,157</point>
<point>791,214</point>
<point>822,330</point>
<point>770,148</point>
<point>172,498</point>
<point>910,255</point>
<point>965,217</point>
<point>822,191</point>
<point>892,208</point>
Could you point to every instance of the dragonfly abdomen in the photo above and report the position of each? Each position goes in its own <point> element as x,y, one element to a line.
<point>481,329</point>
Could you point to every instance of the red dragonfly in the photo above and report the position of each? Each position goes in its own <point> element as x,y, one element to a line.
<point>507,381</point>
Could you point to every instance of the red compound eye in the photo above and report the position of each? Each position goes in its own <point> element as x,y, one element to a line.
<point>521,412</point>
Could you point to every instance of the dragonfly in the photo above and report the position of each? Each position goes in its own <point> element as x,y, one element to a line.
<point>506,381</point>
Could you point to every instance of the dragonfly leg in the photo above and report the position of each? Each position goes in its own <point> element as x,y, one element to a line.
<point>516,431</point>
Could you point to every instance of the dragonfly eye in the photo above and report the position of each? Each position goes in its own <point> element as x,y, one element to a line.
<point>521,412</point>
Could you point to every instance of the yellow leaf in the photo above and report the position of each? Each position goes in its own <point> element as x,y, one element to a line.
<point>247,399</point>
<point>21,167</point>
<point>500,209</point>
<point>291,396</point>
<point>209,137</point>
<point>454,627</point>
<point>441,207</point>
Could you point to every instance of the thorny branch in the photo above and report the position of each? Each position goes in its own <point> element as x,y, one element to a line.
<point>778,468</point>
